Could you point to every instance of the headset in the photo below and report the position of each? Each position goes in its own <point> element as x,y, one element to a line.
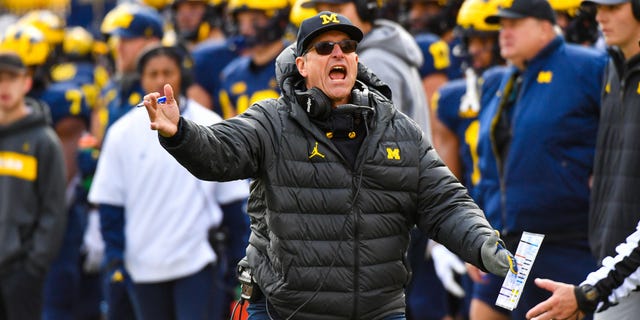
<point>367,9</point>
<point>318,105</point>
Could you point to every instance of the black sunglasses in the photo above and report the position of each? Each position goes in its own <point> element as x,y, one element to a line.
<point>324,48</point>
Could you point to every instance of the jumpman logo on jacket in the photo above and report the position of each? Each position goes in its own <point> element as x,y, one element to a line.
<point>315,152</point>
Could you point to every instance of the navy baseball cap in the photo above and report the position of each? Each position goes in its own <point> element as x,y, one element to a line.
<point>138,22</point>
<point>322,22</point>
<point>11,62</point>
<point>539,9</point>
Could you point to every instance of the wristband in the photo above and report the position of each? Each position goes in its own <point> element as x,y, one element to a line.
<point>587,297</point>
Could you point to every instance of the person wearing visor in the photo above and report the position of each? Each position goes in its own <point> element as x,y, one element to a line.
<point>536,145</point>
<point>339,178</point>
<point>615,207</point>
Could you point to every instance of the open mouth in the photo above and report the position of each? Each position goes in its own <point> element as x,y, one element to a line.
<point>338,73</point>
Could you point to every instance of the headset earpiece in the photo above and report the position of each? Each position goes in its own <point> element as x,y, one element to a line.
<point>360,97</point>
<point>315,103</point>
<point>319,106</point>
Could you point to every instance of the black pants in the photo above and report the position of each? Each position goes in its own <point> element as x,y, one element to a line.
<point>21,296</point>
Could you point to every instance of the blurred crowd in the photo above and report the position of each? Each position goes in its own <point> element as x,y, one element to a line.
<point>93,61</point>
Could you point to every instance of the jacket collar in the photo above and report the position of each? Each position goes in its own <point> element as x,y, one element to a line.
<point>623,66</point>
<point>287,76</point>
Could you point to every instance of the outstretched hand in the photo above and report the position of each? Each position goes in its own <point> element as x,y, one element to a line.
<point>164,117</point>
<point>561,305</point>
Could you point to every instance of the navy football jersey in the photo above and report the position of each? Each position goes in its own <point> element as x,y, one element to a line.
<point>243,83</point>
<point>435,52</point>
<point>458,109</point>
<point>207,70</point>
<point>89,77</point>
<point>65,99</point>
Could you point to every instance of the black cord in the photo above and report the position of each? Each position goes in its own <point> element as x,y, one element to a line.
<point>235,308</point>
<point>326,275</point>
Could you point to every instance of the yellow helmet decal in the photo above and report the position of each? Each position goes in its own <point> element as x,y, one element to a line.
<point>77,41</point>
<point>118,17</point>
<point>565,5</point>
<point>299,14</point>
<point>50,24</point>
<point>269,6</point>
<point>28,42</point>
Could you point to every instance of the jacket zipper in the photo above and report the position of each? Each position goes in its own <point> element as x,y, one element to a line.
<point>356,249</point>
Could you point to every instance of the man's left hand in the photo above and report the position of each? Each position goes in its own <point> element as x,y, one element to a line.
<point>496,258</point>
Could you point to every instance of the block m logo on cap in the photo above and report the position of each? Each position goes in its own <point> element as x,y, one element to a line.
<point>328,18</point>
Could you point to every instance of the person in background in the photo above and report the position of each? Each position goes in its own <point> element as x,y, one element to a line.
<point>167,252</point>
<point>207,39</point>
<point>614,208</point>
<point>197,21</point>
<point>339,178</point>
<point>437,54</point>
<point>207,72</point>
<point>536,147</point>
<point>131,27</point>
<point>42,32</point>
<point>437,17</point>
<point>577,20</point>
<point>261,24</point>
<point>77,77</point>
<point>457,106</point>
<point>32,193</point>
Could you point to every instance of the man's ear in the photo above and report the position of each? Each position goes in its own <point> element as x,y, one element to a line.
<point>301,64</point>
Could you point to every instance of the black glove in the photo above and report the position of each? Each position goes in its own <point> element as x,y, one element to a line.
<point>496,258</point>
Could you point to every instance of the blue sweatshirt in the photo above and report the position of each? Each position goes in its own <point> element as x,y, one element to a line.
<point>541,184</point>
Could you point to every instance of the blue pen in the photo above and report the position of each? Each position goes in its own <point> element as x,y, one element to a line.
<point>162,99</point>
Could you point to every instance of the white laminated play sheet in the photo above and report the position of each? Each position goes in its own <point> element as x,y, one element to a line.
<point>514,283</point>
